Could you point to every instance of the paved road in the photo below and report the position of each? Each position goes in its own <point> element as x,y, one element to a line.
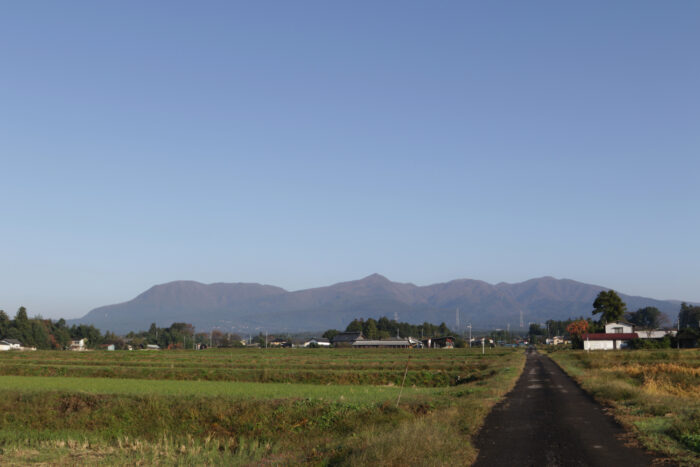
<point>547,420</point>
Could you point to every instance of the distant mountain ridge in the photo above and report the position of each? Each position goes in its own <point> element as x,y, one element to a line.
<point>248,307</point>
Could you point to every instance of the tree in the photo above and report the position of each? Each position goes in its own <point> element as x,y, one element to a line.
<point>22,328</point>
<point>4,323</point>
<point>370,330</point>
<point>535,331</point>
<point>21,314</point>
<point>610,306</point>
<point>648,318</point>
<point>689,316</point>
<point>577,329</point>
<point>355,325</point>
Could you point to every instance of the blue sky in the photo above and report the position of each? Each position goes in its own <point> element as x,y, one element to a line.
<point>305,143</point>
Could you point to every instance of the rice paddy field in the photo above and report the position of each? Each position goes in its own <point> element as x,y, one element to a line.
<point>654,393</point>
<point>249,406</point>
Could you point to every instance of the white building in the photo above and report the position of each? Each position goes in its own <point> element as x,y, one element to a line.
<point>78,345</point>
<point>616,336</point>
<point>10,344</point>
<point>556,340</point>
<point>619,327</point>
<point>317,342</point>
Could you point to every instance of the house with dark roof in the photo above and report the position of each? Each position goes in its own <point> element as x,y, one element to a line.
<point>346,339</point>
<point>280,342</point>
<point>607,340</point>
<point>616,336</point>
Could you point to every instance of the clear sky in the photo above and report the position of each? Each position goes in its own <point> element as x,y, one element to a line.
<point>305,143</point>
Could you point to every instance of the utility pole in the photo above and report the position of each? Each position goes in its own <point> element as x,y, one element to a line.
<point>470,334</point>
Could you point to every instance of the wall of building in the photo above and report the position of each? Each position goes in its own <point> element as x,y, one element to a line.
<point>598,345</point>
<point>626,328</point>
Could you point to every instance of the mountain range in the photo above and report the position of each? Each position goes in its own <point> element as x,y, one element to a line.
<point>250,308</point>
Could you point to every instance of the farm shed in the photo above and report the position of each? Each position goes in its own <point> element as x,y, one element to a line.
<point>654,333</point>
<point>382,344</point>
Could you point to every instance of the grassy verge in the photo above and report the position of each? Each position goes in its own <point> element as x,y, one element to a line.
<point>654,393</point>
<point>113,421</point>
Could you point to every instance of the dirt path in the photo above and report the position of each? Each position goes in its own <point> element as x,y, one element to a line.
<point>547,420</point>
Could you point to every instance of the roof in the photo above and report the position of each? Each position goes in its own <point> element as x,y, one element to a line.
<point>382,343</point>
<point>347,337</point>
<point>610,336</point>
<point>439,339</point>
<point>318,339</point>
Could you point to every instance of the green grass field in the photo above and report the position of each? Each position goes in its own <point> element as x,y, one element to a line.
<point>233,390</point>
<point>654,393</point>
<point>245,407</point>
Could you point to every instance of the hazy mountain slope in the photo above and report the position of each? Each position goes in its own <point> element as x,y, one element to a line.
<point>251,307</point>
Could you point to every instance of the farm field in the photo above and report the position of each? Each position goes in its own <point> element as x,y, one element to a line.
<point>249,406</point>
<point>654,393</point>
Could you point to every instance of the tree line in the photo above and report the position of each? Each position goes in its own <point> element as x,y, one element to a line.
<point>45,333</point>
<point>384,328</point>
<point>182,336</point>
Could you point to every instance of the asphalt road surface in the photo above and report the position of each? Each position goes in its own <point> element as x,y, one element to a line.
<point>547,420</point>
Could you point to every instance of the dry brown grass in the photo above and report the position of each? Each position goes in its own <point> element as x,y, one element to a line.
<point>654,393</point>
<point>664,378</point>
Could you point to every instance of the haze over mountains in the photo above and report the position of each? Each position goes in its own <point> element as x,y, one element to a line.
<point>246,308</point>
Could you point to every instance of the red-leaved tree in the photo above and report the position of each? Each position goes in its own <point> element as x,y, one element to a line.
<point>576,329</point>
